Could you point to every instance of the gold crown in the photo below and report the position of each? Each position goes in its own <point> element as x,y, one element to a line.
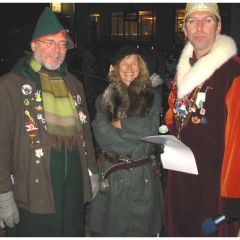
<point>202,7</point>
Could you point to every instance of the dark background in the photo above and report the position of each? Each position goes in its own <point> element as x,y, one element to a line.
<point>17,23</point>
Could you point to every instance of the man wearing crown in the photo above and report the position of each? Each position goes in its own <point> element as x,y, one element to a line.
<point>208,76</point>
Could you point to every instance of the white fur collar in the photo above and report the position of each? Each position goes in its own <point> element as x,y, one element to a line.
<point>189,77</point>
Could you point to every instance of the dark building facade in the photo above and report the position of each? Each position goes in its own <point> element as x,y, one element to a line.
<point>109,25</point>
<point>146,25</point>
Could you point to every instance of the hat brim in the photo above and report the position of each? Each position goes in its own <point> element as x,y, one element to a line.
<point>123,52</point>
<point>70,44</point>
<point>115,59</point>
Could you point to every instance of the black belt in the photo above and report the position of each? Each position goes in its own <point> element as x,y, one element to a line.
<point>124,164</point>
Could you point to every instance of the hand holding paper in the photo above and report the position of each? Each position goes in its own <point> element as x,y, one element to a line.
<point>177,156</point>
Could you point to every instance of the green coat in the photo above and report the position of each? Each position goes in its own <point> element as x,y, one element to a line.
<point>33,189</point>
<point>133,205</point>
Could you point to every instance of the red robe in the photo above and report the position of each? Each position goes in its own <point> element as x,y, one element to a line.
<point>191,199</point>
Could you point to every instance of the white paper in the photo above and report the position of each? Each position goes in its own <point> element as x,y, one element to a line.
<point>177,156</point>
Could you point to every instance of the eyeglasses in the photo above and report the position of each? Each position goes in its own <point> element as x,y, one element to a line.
<point>50,44</point>
<point>205,21</point>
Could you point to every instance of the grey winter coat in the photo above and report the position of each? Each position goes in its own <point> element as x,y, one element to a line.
<point>133,205</point>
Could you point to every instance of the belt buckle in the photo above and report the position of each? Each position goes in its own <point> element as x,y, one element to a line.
<point>127,161</point>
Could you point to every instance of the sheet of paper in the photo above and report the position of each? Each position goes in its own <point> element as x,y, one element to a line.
<point>177,156</point>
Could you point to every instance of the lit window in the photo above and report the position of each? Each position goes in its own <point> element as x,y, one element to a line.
<point>137,26</point>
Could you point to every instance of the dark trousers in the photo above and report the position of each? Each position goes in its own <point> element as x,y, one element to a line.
<point>68,221</point>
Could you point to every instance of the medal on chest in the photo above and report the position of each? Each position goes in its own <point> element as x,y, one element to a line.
<point>191,104</point>
<point>183,109</point>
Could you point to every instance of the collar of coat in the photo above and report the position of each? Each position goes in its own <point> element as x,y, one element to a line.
<point>24,69</point>
<point>189,77</point>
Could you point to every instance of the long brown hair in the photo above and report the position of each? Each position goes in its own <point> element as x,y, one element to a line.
<point>114,75</point>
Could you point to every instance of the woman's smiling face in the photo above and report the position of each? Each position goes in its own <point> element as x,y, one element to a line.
<point>129,68</point>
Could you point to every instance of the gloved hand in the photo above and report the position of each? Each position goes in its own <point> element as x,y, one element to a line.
<point>156,80</point>
<point>156,159</point>
<point>95,184</point>
<point>158,148</point>
<point>8,210</point>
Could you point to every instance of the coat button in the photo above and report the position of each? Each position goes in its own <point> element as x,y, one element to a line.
<point>37,161</point>
<point>36,180</point>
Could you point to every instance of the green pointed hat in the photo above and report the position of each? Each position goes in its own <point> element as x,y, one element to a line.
<point>48,24</point>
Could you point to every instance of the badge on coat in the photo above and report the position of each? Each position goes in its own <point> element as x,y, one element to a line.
<point>26,89</point>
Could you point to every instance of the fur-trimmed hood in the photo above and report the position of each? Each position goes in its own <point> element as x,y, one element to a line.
<point>189,77</point>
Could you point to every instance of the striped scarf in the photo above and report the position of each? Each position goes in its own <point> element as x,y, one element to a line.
<point>61,116</point>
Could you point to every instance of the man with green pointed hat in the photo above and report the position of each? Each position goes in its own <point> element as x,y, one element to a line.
<point>207,87</point>
<point>48,166</point>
